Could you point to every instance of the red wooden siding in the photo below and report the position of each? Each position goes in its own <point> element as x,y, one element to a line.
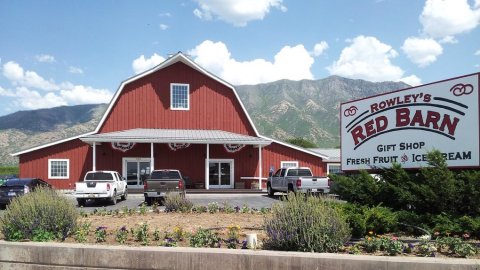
<point>190,161</point>
<point>275,153</point>
<point>145,103</point>
<point>35,164</point>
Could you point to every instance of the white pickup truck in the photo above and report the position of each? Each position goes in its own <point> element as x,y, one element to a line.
<point>297,179</point>
<point>101,185</point>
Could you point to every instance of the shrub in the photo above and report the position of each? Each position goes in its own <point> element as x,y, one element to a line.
<point>361,188</point>
<point>305,223</point>
<point>82,232</point>
<point>101,234</point>
<point>121,235</point>
<point>141,234</point>
<point>204,238</point>
<point>355,218</point>
<point>380,220</point>
<point>411,223</point>
<point>176,203</point>
<point>43,211</point>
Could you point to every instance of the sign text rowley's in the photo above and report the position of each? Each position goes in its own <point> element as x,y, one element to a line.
<point>402,126</point>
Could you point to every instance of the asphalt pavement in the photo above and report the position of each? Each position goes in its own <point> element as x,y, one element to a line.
<point>257,201</point>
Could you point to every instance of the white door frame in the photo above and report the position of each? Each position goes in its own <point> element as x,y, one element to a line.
<point>132,159</point>
<point>232,171</point>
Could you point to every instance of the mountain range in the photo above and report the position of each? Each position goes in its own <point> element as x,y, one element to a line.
<point>282,110</point>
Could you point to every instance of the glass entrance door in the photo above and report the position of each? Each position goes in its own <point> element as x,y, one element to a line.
<point>135,170</point>
<point>221,173</point>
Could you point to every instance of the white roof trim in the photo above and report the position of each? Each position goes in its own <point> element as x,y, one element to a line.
<point>176,136</point>
<point>325,158</point>
<point>50,144</point>
<point>179,57</point>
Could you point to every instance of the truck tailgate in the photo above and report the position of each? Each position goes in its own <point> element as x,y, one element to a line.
<point>163,185</point>
<point>92,187</point>
<point>314,184</point>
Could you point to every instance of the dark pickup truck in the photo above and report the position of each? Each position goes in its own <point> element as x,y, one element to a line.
<point>162,182</point>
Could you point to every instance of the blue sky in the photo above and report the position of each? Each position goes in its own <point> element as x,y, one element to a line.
<point>55,53</point>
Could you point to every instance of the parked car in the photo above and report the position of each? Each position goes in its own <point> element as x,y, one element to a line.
<point>101,185</point>
<point>16,187</point>
<point>162,182</point>
<point>297,179</point>
<point>5,177</point>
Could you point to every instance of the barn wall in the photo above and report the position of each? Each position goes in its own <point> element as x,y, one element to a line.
<point>145,103</point>
<point>190,161</point>
<point>275,153</point>
<point>35,163</point>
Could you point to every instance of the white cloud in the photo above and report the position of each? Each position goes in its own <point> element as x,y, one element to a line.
<point>79,94</point>
<point>411,80</point>
<point>75,70</point>
<point>449,39</point>
<point>6,92</point>
<point>442,18</point>
<point>236,12</point>
<point>163,26</point>
<point>422,52</point>
<point>319,48</point>
<point>141,63</point>
<point>291,63</point>
<point>30,99</point>
<point>65,93</point>
<point>15,73</point>
<point>45,58</point>
<point>369,59</point>
<point>478,51</point>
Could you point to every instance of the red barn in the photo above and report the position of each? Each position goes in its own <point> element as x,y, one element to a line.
<point>174,116</point>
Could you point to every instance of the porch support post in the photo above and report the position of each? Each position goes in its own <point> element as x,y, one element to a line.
<point>259,166</point>
<point>94,157</point>
<point>152,161</point>
<point>207,163</point>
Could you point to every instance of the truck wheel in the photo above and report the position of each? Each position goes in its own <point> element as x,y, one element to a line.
<point>148,201</point>
<point>113,200</point>
<point>270,191</point>
<point>125,194</point>
<point>81,202</point>
<point>290,188</point>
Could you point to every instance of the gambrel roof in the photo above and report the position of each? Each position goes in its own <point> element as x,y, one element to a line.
<point>178,57</point>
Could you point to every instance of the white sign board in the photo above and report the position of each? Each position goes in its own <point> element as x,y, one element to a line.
<point>402,126</point>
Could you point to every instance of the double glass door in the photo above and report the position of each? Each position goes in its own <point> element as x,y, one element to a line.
<point>221,173</point>
<point>135,170</point>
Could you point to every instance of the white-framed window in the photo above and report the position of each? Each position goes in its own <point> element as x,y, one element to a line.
<point>333,168</point>
<point>287,164</point>
<point>179,96</point>
<point>58,168</point>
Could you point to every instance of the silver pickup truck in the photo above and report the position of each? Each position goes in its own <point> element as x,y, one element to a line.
<point>162,182</point>
<point>297,179</point>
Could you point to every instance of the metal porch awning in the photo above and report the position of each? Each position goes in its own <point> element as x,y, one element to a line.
<point>193,136</point>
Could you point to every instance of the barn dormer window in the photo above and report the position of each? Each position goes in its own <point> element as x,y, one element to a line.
<point>179,96</point>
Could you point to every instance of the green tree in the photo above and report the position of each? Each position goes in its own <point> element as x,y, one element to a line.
<point>302,142</point>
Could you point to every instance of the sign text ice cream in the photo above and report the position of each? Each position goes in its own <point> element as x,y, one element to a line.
<point>403,126</point>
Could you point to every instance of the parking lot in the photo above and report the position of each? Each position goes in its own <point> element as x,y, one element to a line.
<point>135,200</point>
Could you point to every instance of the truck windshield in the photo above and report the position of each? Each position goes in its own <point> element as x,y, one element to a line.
<point>299,172</point>
<point>165,175</point>
<point>99,176</point>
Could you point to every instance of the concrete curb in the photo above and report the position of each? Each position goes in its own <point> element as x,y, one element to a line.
<point>30,255</point>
